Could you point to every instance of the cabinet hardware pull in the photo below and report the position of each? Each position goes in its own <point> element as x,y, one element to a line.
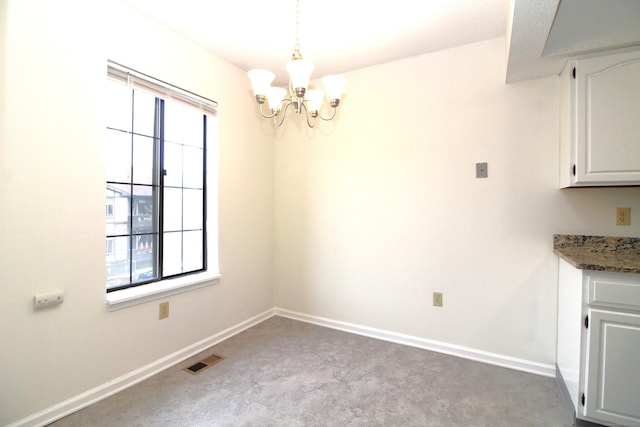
<point>586,322</point>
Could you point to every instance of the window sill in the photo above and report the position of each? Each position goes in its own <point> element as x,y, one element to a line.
<point>145,293</point>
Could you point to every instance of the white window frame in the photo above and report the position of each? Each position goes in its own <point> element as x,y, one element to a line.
<point>161,289</point>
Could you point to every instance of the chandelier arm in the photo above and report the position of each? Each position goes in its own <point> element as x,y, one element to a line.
<point>307,114</point>
<point>266,116</point>
<point>284,112</point>
<point>326,119</point>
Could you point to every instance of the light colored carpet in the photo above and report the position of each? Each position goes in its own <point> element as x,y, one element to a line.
<point>288,373</point>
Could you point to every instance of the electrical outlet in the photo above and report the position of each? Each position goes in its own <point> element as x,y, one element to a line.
<point>437,299</point>
<point>164,310</point>
<point>48,299</point>
<point>623,216</point>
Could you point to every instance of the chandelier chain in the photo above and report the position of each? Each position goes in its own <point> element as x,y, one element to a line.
<point>296,49</point>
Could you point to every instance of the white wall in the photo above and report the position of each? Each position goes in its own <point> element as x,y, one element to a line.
<point>54,57</point>
<point>381,208</point>
<point>373,212</point>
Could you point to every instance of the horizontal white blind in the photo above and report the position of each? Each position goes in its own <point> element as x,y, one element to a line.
<point>165,90</point>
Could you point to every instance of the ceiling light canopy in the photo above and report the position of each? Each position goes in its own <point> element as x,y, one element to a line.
<point>299,95</point>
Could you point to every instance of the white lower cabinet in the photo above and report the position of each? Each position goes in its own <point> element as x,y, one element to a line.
<point>600,367</point>
<point>613,369</point>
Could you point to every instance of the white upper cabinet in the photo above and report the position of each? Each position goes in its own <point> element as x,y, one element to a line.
<point>600,123</point>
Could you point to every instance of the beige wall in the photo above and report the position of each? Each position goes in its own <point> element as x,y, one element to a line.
<point>54,59</point>
<point>382,208</point>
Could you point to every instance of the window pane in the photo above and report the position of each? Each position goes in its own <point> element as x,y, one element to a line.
<point>143,160</point>
<point>144,258</point>
<point>109,208</point>
<point>182,252</point>
<point>183,124</point>
<point>144,112</point>
<point>193,134</point>
<point>143,202</point>
<point>117,152</point>
<point>172,209</point>
<point>118,199</point>
<point>118,272</point>
<point>193,161</point>
<point>193,209</point>
<point>110,247</point>
<point>173,121</point>
<point>192,251</point>
<point>172,254</point>
<point>118,106</point>
<point>173,164</point>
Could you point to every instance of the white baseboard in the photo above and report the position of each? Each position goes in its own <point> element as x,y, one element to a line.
<point>107,389</point>
<point>547,370</point>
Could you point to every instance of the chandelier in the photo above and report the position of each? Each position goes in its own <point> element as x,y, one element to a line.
<point>302,99</point>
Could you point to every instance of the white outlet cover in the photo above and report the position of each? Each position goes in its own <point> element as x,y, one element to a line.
<point>48,299</point>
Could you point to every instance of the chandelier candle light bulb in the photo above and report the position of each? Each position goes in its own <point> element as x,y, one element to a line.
<point>302,99</point>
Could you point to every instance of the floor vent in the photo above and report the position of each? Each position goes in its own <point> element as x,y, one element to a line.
<point>200,366</point>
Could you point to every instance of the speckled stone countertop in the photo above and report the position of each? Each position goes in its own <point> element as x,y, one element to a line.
<point>618,254</point>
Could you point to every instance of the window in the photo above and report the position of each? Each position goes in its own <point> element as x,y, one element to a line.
<point>157,198</point>
<point>110,251</point>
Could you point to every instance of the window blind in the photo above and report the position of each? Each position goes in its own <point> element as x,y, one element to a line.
<point>137,79</point>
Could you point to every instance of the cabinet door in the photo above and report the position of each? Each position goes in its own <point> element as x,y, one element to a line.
<point>607,102</point>
<point>612,372</point>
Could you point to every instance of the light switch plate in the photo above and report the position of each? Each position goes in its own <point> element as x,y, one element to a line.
<point>482,170</point>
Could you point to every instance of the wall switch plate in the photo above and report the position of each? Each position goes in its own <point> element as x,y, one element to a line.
<point>623,216</point>
<point>48,299</point>
<point>482,170</point>
<point>437,299</point>
<point>164,310</point>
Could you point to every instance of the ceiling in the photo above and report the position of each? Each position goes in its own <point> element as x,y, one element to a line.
<point>545,32</point>
<point>344,35</point>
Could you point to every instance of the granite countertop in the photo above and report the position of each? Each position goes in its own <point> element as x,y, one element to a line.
<point>617,254</point>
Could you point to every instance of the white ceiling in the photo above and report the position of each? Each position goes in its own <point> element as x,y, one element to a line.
<point>545,32</point>
<point>344,35</point>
